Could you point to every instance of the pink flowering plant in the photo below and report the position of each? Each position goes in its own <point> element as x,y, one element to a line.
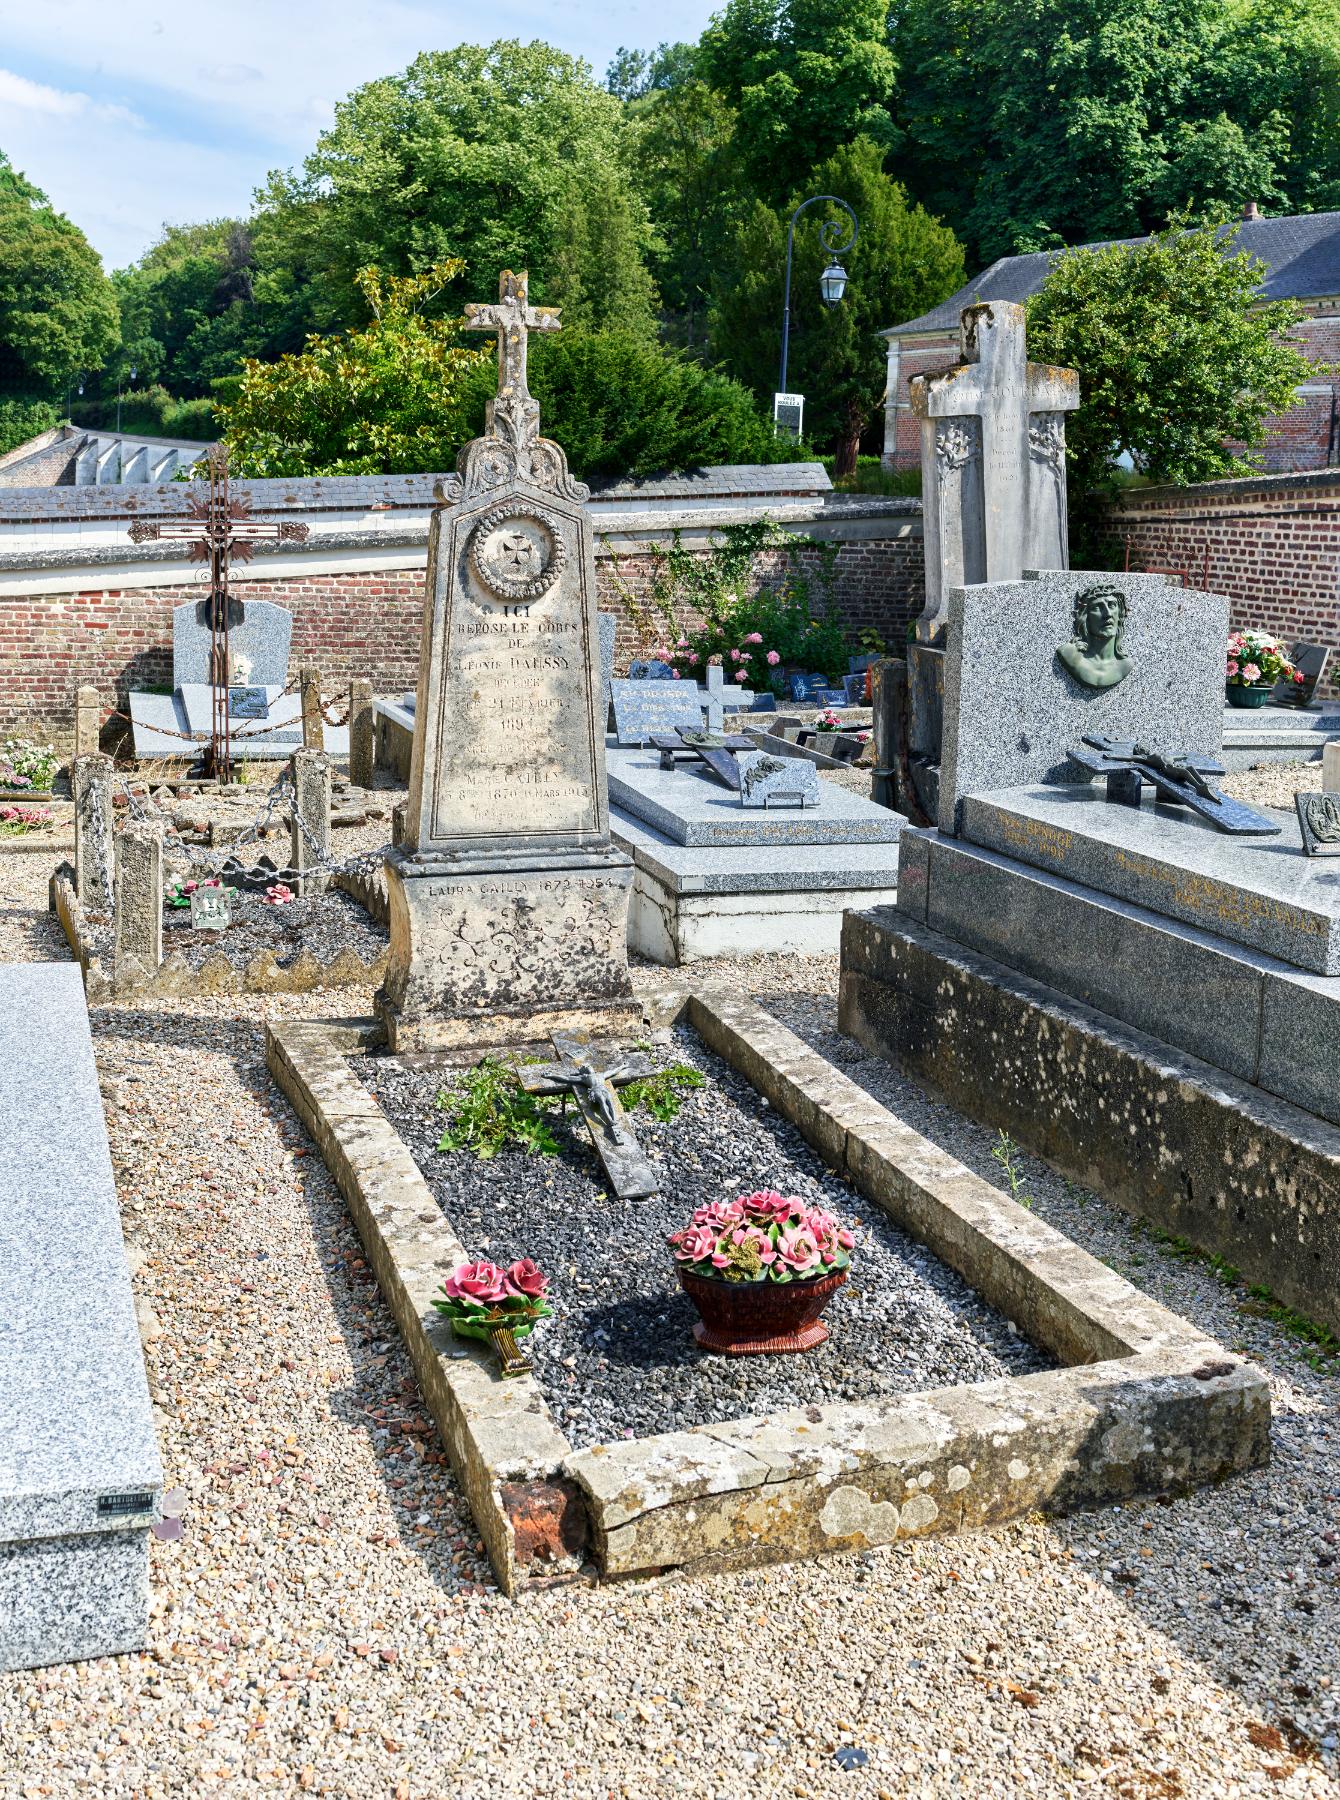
<point>1255,659</point>
<point>16,820</point>
<point>481,1296</point>
<point>764,1236</point>
<point>180,895</point>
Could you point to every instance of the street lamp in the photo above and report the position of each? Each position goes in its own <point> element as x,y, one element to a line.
<point>133,373</point>
<point>832,283</point>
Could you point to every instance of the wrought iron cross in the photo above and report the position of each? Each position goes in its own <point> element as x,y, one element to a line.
<point>513,319</point>
<point>219,531</point>
<point>591,1076</point>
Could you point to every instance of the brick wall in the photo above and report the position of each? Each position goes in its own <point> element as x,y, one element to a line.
<point>1271,543</point>
<point>359,623</point>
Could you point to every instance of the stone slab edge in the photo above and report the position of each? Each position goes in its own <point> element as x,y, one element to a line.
<point>175,977</point>
<point>1148,1403</point>
<point>503,1444</point>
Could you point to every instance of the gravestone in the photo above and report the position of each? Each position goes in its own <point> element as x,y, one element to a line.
<point>716,694</point>
<point>91,780</point>
<point>1330,769</point>
<point>258,644</point>
<point>609,634</point>
<point>643,708</point>
<point>362,734</point>
<point>651,668</point>
<point>313,720</point>
<point>309,828</point>
<point>1311,661</point>
<point>508,902</point>
<point>1013,707</point>
<point>139,898</point>
<point>87,721</point>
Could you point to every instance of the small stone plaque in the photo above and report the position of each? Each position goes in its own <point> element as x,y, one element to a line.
<point>643,708</point>
<point>248,703</point>
<point>1319,819</point>
<point>767,781</point>
<point>1311,662</point>
<point>210,909</point>
<point>652,669</point>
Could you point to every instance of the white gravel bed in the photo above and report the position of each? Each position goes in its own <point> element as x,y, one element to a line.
<point>319,1629</point>
<point>618,1358</point>
<point>1273,784</point>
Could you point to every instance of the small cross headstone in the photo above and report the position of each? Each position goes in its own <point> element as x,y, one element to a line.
<point>592,1076</point>
<point>92,784</point>
<point>139,897</point>
<point>311,771</point>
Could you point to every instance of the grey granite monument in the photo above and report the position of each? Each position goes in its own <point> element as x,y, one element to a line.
<point>309,828</point>
<point>508,902</point>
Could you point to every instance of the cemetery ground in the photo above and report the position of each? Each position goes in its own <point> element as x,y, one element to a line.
<point>324,1620</point>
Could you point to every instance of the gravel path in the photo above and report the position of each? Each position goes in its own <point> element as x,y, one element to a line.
<point>1273,784</point>
<point>324,1625</point>
<point>618,1359</point>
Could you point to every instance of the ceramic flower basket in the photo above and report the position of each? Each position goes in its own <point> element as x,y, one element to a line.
<point>1242,696</point>
<point>503,1329</point>
<point>759,1318</point>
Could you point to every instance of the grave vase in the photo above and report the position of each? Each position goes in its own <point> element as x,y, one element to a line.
<point>759,1318</point>
<point>1243,696</point>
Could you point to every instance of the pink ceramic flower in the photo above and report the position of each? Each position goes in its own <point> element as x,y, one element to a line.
<point>771,1208</point>
<point>696,1244</point>
<point>774,657</point>
<point>279,895</point>
<point>525,1280</point>
<point>483,1282</point>
<point>751,1235</point>
<point>797,1250</point>
<point>1251,672</point>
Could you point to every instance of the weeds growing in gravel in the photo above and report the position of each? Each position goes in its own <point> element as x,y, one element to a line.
<point>661,1093</point>
<point>1322,1345</point>
<point>1007,1154</point>
<point>489,1111</point>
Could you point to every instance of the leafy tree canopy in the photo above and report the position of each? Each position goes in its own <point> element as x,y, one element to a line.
<point>805,76</point>
<point>508,155</point>
<point>58,312</point>
<point>1178,361</point>
<point>904,261</point>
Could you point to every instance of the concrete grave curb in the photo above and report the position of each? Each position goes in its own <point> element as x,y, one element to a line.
<point>1146,1403</point>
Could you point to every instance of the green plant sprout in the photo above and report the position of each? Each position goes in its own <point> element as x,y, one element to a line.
<point>490,1110</point>
<point>1007,1154</point>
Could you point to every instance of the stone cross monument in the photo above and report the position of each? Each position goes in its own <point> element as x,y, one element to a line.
<point>992,461</point>
<point>508,902</point>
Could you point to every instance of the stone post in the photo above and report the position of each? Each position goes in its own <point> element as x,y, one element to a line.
<point>311,798</point>
<point>362,734</point>
<point>91,779</point>
<point>87,721</point>
<point>1330,767</point>
<point>716,688</point>
<point>888,695</point>
<point>313,725</point>
<point>139,897</point>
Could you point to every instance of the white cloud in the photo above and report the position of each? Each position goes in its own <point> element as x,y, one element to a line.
<point>17,92</point>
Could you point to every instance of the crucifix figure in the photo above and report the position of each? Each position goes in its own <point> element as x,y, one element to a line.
<point>219,532</point>
<point>1177,780</point>
<point>591,1076</point>
<point>992,460</point>
<point>514,414</point>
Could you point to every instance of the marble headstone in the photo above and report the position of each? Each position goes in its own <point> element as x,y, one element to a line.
<point>258,644</point>
<point>1012,708</point>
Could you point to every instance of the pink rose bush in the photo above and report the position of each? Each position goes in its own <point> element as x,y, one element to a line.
<point>481,1294</point>
<point>764,1236</point>
<point>1255,659</point>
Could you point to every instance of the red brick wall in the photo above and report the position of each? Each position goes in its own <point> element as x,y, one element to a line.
<point>1272,544</point>
<point>357,624</point>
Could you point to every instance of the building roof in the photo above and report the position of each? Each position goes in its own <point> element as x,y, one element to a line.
<point>1301,255</point>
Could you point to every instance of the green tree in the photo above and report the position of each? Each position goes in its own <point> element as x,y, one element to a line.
<point>188,310</point>
<point>904,261</point>
<point>1179,361</point>
<point>382,400</point>
<point>507,156</point>
<point>58,312</point>
<point>805,77</point>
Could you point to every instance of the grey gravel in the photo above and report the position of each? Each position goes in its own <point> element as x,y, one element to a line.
<point>618,1358</point>
<point>324,924</point>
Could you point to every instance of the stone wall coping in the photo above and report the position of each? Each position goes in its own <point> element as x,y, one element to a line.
<point>1146,1403</point>
<point>1134,500</point>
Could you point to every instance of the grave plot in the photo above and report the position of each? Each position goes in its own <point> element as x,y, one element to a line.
<point>148,911</point>
<point>628,1450</point>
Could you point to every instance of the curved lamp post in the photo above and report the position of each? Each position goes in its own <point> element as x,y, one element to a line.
<point>832,283</point>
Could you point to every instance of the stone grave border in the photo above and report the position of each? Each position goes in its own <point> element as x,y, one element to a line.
<point>1144,1401</point>
<point>176,979</point>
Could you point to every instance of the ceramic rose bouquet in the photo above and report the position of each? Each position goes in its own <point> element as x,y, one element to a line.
<point>1255,659</point>
<point>765,1236</point>
<point>498,1305</point>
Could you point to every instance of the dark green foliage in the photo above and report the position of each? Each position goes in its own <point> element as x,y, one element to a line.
<point>152,411</point>
<point>58,313</point>
<point>488,1110</point>
<point>662,1093</point>
<point>24,419</point>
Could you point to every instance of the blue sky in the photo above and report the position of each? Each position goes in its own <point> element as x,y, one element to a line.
<point>135,113</point>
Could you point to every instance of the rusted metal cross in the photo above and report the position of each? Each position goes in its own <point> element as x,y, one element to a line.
<point>219,531</point>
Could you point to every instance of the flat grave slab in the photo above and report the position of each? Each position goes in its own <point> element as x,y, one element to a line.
<point>160,720</point>
<point>698,811</point>
<point>754,868</point>
<point>1259,892</point>
<point>79,1471</point>
<point>1135,1400</point>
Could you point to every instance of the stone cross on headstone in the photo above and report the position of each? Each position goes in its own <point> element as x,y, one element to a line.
<point>514,414</point>
<point>992,460</point>
<point>716,691</point>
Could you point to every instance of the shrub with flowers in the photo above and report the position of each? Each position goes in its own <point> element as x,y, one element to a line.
<point>1255,659</point>
<point>16,820</point>
<point>480,1297</point>
<point>765,1236</point>
<point>24,765</point>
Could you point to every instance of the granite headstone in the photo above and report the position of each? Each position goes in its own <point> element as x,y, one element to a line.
<point>767,780</point>
<point>258,644</point>
<point>642,708</point>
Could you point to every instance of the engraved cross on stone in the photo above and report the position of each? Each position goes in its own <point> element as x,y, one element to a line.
<point>992,460</point>
<point>513,319</point>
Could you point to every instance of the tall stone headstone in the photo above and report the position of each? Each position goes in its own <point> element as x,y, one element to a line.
<point>91,780</point>
<point>87,721</point>
<point>313,720</point>
<point>139,898</point>
<point>309,828</point>
<point>508,902</point>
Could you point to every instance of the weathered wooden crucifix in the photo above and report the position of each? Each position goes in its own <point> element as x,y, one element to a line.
<point>514,414</point>
<point>592,1075</point>
<point>219,531</point>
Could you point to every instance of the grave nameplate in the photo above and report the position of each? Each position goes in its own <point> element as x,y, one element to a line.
<point>767,780</point>
<point>803,686</point>
<point>1311,661</point>
<point>248,703</point>
<point>643,708</point>
<point>210,909</point>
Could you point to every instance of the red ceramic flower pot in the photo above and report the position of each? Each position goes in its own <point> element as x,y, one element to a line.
<point>759,1318</point>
